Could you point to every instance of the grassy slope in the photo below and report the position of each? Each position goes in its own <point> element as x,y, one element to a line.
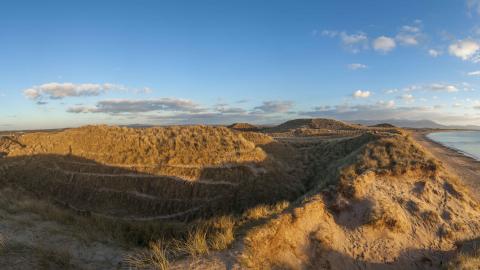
<point>375,189</point>
<point>387,203</point>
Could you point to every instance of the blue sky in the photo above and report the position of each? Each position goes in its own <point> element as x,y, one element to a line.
<point>71,63</point>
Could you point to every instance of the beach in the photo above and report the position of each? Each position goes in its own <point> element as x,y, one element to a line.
<point>466,167</point>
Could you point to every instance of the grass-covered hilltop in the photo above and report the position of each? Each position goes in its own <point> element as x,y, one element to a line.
<point>306,194</point>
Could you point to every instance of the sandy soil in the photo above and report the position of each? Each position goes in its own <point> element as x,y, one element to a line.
<point>31,242</point>
<point>467,168</point>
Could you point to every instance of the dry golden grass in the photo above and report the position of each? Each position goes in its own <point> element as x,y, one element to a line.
<point>195,244</point>
<point>215,234</point>
<point>155,257</point>
<point>318,123</point>
<point>243,127</point>
<point>386,155</point>
<point>257,138</point>
<point>266,187</point>
<point>191,145</point>
<point>146,173</point>
<point>264,210</point>
<point>371,177</point>
<point>222,232</point>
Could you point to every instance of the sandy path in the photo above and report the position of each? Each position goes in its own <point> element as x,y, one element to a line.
<point>467,168</point>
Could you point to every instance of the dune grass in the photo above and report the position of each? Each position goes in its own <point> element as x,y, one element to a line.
<point>467,257</point>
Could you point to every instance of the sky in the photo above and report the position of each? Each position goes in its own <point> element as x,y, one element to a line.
<point>73,63</point>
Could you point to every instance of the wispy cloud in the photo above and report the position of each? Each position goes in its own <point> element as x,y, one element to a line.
<point>434,53</point>
<point>56,90</point>
<point>407,98</point>
<point>473,7</point>
<point>354,43</point>
<point>275,106</point>
<point>174,110</point>
<point>410,35</point>
<point>438,87</point>
<point>388,110</point>
<point>119,106</point>
<point>356,66</point>
<point>384,44</point>
<point>474,73</point>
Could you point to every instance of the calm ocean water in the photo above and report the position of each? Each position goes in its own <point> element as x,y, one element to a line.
<point>467,142</point>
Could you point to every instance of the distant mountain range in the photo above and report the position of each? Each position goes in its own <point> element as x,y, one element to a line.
<point>414,124</point>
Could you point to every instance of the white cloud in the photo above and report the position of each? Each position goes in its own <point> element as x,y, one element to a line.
<point>384,44</point>
<point>56,90</point>
<point>356,66</point>
<point>361,94</point>
<point>31,93</point>
<point>434,53</point>
<point>408,98</point>
<point>275,106</point>
<point>351,42</point>
<point>464,49</point>
<point>474,73</point>
<point>118,106</point>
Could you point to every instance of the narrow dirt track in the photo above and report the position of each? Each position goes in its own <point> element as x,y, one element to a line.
<point>466,168</point>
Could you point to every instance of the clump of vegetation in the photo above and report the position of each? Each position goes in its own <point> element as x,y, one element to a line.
<point>385,214</point>
<point>265,210</point>
<point>156,257</point>
<point>386,155</point>
<point>467,257</point>
<point>202,238</point>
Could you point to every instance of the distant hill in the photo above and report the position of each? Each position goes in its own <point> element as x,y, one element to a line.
<point>383,125</point>
<point>413,124</point>
<point>243,127</point>
<point>315,123</point>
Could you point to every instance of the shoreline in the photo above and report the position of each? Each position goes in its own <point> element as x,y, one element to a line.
<point>464,166</point>
<point>459,151</point>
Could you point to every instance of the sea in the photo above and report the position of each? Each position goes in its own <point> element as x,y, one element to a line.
<point>466,142</point>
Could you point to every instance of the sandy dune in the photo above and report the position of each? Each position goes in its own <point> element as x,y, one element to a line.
<point>467,168</point>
